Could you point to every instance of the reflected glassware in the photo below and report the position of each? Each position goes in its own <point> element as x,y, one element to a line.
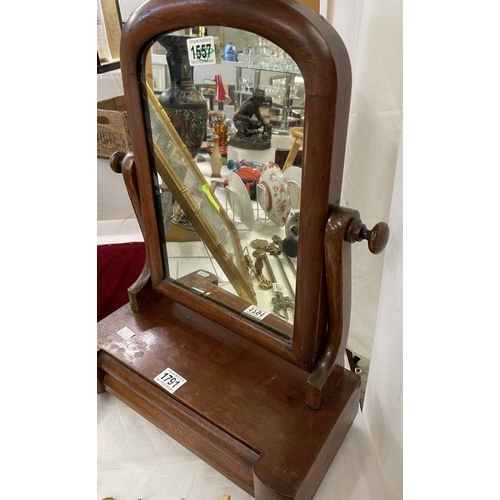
<point>243,58</point>
<point>229,52</point>
<point>263,54</point>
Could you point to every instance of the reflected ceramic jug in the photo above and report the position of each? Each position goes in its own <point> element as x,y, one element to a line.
<point>185,106</point>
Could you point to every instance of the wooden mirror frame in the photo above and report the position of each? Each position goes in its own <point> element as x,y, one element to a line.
<point>267,413</point>
<point>324,63</point>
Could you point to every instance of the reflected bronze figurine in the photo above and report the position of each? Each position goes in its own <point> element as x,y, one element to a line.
<point>254,132</point>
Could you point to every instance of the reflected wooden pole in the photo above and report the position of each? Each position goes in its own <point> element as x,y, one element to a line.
<point>312,4</point>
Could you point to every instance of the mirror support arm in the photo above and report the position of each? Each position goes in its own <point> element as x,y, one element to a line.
<point>141,293</point>
<point>343,228</point>
<point>330,367</point>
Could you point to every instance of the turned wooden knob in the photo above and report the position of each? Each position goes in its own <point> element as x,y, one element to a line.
<point>116,161</point>
<point>377,237</point>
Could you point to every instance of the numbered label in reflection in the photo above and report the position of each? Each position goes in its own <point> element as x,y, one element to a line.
<point>201,50</point>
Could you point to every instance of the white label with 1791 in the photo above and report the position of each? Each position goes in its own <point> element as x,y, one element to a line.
<point>255,313</point>
<point>170,380</point>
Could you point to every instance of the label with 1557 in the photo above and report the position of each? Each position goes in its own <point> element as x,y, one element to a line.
<point>201,50</point>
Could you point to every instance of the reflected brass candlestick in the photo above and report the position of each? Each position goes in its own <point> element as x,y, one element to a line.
<point>273,249</point>
<point>258,267</point>
<point>279,301</point>
<point>279,242</point>
<point>262,245</point>
<point>282,303</point>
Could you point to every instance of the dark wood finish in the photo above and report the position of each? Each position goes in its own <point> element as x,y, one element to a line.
<point>237,323</point>
<point>330,367</point>
<point>123,163</point>
<point>100,377</point>
<point>141,294</point>
<point>327,99</point>
<point>377,237</point>
<point>268,412</point>
<point>209,289</point>
<point>242,408</point>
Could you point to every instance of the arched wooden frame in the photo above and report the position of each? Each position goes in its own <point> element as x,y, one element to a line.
<point>324,63</point>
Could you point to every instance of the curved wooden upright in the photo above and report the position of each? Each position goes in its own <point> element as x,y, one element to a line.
<point>267,412</point>
<point>324,63</point>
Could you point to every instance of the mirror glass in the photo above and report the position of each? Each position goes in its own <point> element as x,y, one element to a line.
<point>224,109</point>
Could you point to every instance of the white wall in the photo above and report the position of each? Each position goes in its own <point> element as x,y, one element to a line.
<point>127,7</point>
<point>383,404</point>
<point>373,184</point>
<point>372,33</point>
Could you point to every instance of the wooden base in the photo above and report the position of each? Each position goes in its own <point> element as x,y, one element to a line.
<point>242,409</point>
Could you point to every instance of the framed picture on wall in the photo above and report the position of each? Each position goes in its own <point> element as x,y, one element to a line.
<point>109,30</point>
<point>159,80</point>
<point>209,98</point>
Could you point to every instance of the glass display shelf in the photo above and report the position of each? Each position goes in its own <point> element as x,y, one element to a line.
<point>284,88</point>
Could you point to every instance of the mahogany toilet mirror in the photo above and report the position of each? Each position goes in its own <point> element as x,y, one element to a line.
<point>264,399</point>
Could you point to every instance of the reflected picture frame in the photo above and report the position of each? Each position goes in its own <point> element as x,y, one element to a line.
<point>158,77</point>
<point>183,178</point>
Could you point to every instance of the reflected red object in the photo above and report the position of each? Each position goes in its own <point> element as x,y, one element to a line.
<point>249,174</point>
<point>250,177</point>
<point>220,91</point>
<point>222,149</point>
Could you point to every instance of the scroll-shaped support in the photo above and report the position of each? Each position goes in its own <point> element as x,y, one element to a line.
<point>140,293</point>
<point>343,228</point>
<point>123,163</point>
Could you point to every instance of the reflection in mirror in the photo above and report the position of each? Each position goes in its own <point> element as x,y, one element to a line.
<point>220,106</point>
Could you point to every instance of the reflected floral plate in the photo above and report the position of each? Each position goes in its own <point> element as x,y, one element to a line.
<point>293,177</point>
<point>274,197</point>
<point>239,200</point>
